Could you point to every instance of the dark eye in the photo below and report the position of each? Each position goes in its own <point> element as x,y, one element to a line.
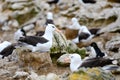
<point>53,27</point>
<point>71,56</point>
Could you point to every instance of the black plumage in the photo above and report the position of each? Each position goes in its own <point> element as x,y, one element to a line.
<point>40,33</point>
<point>89,1</point>
<point>97,62</point>
<point>83,36</point>
<point>24,33</point>
<point>49,21</point>
<point>53,2</point>
<point>94,31</point>
<point>33,40</point>
<point>7,51</point>
<point>97,50</point>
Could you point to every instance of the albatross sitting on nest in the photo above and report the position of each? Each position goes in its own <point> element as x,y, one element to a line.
<point>76,62</point>
<point>39,43</point>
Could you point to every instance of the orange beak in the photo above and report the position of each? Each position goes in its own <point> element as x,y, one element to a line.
<point>57,30</point>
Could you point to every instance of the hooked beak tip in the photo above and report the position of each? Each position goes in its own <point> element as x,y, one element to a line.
<point>57,30</point>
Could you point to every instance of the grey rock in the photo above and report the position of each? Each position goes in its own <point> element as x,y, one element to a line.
<point>20,74</point>
<point>113,44</point>
<point>3,18</point>
<point>35,60</point>
<point>61,60</point>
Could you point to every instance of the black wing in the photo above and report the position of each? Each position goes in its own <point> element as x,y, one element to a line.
<point>99,53</point>
<point>96,62</point>
<point>40,33</point>
<point>7,51</point>
<point>33,40</point>
<point>49,21</point>
<point>52,2</point>
<point>89,1</point>
<point>83,35</point>
<point>94,31</point>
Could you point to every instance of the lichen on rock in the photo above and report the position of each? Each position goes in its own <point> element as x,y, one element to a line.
<point>91,74</point>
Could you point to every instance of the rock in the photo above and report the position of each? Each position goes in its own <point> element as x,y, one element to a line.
<point>17,6</point>
<point>72,47</point>
<point>42,5</point>
<point>13,23</point>
<point>35,61</point>
<point>4,72</point>
<point>59,43</point>
<point>3,18</point>
<point>91,74</point>
<point>113,44</point>
<point>20,74</point>
<point>61,60</point>
<point>62,45</point>
<point>112,27</point>
<point>64,76</point>
<point>35,76</point>
<point>12,1</point>
<point>28,27</point>
<point>52,76</point>
<point>6,27</point>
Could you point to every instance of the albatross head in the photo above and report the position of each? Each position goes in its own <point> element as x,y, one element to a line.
<point>74,20</point>
<point>51,28</point>
<point>49,31</point>
<point>50,15</point>
<point>75,62</point>
<point>75,24</point>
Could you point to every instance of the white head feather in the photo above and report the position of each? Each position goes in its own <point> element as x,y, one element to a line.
<point>50,15</point>
<point>75,62</point>
<point>75,24</point>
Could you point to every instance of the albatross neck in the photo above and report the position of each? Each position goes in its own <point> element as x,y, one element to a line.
<point>48,35</point>
<point>75,65</point>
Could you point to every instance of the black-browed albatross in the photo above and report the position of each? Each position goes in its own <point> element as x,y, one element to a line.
<point>76,62</point>
<point>84,34</point>
<point>40,43</point>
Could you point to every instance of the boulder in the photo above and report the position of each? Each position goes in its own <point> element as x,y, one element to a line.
<point>61,60</point>
<point>91,74</point>
<point>113,44</point>
<point>35,61</point>
<point>59,43</point>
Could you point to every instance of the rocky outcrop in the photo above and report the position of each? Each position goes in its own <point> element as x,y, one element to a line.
<point>59,43</point>
<point>113,44</point>
<point>91,74</point>
<point>35,61</point>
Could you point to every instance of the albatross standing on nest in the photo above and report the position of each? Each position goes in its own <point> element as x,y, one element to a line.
<point>76,62</point>
<point>84,35</point>
<point>40,43</point>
